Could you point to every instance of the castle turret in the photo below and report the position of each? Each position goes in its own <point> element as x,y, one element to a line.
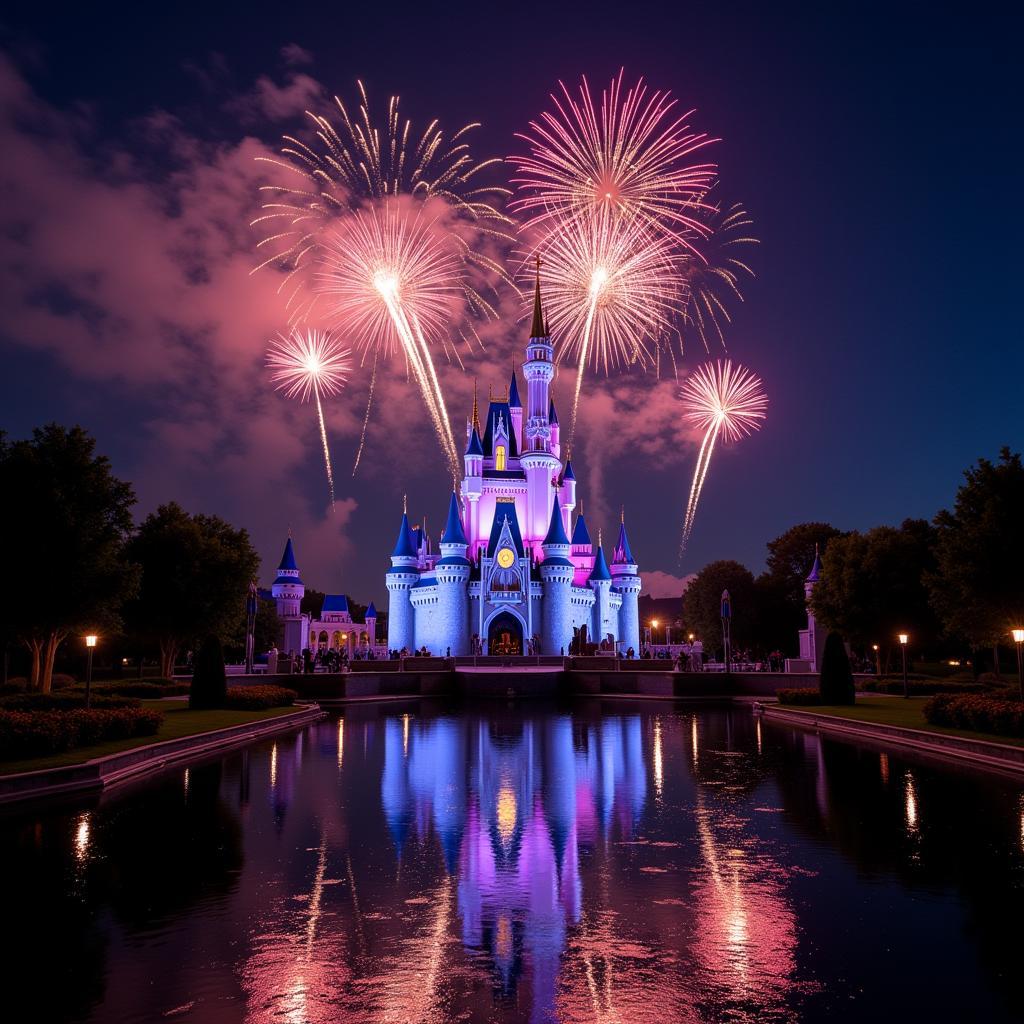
<point>452,574</point>
<point>601,583</point>
<point>515,408</point>
<point>582,550</point>
<point>536,458</point>
<point>556,572</point>
<point>812,640</point>
<point>627,583</point>
<point>370,619</point>
<point>567,495</point>
<point>401,578</point>
<point>288,591</point>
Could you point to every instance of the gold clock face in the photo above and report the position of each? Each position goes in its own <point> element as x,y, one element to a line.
<point>506,556</point>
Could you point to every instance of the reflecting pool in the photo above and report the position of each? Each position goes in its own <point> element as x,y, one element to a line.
<point>616,862</point>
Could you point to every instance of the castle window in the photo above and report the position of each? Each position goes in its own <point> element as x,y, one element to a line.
<point>499,457</point>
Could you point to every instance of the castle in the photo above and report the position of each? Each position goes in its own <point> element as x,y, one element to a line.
<point>507,579</point>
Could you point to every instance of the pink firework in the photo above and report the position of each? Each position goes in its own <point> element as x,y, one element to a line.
<point>723,400</point>
<point>307,364</point>
<point>633,156</point>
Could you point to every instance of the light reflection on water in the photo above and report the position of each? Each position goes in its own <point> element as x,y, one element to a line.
<point>617,864</point>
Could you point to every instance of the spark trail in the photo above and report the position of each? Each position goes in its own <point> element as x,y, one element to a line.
<point>726,401</point>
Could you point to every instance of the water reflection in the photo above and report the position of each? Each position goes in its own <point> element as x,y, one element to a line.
<point>614,865</point>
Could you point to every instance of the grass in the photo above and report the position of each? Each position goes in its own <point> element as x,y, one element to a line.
<point>178,721</point>
<point>907,713</point>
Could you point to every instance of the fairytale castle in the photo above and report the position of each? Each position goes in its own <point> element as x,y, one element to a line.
<point>507,579</point>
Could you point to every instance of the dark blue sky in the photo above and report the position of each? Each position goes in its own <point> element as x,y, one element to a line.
<point>878,149</point>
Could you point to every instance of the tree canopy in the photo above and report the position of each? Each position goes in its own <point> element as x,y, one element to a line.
<point>68,518</point>
<point>977,587</point>
<point>703,600</point>
<point>196,573</point>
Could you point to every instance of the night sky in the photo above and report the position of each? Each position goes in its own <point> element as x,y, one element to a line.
<point>878,150</point>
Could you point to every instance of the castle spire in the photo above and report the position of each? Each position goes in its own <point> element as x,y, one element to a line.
<point>476,409</point>
<point>537,328</point>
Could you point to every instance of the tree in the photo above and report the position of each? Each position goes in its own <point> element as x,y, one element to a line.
<point>196,574</point>
<point>268,630</point>
<point>209,680</point>
<point>977,587</point>
<point>791,555</point>
<point>836,681</point>
<point>67,520</point>
<point>702,603</point>
<point>872,584</point>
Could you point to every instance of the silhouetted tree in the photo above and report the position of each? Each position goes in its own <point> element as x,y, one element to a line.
<point>836,681</point>
<point>209,680</point>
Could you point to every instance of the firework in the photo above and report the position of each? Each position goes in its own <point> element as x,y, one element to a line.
<point>727,402</point>
<point>633,157</point>
<point>309,364</point>
<point>389,279</point>
<point>611,290</point>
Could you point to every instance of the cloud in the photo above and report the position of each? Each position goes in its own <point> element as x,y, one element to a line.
<point>292,54</point>
<point>664,584</point>
<point>272,102</point>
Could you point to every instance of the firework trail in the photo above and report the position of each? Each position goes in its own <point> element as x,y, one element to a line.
<point>609,286</point>
<point>389,279</point>
<point>307,364</point>
<point>357,163</point>
<point>727,402</point>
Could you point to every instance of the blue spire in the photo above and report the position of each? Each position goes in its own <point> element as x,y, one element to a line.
<point>453,531</point>
<point>475,447</point>
<point>568,474</point>
<point>552,415</point>
<point>404,546</point>
<point>556,531</point>
<point>600,571</point>
<point>288,558</point>
<point>622,555</point>
<point>371,611</point>
<point>812,577</point>
<point>513,392</point>
<point>580,534</point>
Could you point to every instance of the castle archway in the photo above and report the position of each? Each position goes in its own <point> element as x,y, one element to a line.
<point>505,635</point>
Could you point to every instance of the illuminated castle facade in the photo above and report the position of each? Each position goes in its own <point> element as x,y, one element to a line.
<point>507,579</point>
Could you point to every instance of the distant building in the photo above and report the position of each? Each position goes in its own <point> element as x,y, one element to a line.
<point>334,630</point>
<point>812,639</point>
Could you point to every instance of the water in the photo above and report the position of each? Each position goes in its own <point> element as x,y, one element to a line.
<point>618,863</point>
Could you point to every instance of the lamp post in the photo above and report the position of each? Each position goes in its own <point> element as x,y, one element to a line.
<point>904,640</point>
<point>878,660</point>
<point>654,626</point>
<point>1018,639</point>
<point>90,646</point>
<point>251,602</point>
<point>726,629</point>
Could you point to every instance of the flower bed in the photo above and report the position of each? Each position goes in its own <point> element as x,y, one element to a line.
<point>37,733</point>
<point>804,695</point>
<point>259,698</point>
<point>980,714</point>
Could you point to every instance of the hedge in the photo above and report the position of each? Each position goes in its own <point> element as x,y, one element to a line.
<point>64,701</point>
<point>980,714</point>
<point>37,733</point>
<point>923,688</point>
<point>258,698</point>
<point>150,689</point>
<point>805,695</point>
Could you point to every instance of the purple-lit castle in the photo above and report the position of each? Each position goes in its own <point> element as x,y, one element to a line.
<point>506,572</point>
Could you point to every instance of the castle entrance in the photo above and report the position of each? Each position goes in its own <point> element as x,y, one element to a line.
<point>505,636</point>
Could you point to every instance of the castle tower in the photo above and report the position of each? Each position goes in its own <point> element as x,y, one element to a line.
<point>370,619</point>
<point>812,640</point>
<point>601,583</point>
<point>582,550</point>
<point>515,408</point>
<point>556,572</point>
<point>627,583</point>
<point>288,591</point>
<point>401,578</point>
<point>473,479</point>
<point>567,495</point>
<point>538,462</point>
<point>452,574</point>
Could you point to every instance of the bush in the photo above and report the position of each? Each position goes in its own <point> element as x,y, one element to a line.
<point>805,695</point>
<point>151,689</point>
<point>925,688</point>
<point>66,701</point>
<point>16,685</point>
<point>209,680</point>
<point>258,698</point>
<point>836,680</point>
<point>61,680</point>
<point>980,714</point>
<point>38,733</point>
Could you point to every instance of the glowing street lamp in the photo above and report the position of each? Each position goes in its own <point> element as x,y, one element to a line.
<point>878,660</point>
<point>654,626</point>
<point>1018,639</point>
<point>904,640</point>
<point>90,646</point>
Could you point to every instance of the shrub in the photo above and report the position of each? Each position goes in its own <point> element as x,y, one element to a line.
<point>37,733</point>
<point>151,689</point>
<point>16,685</point>
<point>209,680</point>
<point>61,680</point>
<point>836,680</point>
<point>258,698</point>
<point>804,695</point>
<point>925,688</point>
<point>66,701</point>
<point>980,714</point>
